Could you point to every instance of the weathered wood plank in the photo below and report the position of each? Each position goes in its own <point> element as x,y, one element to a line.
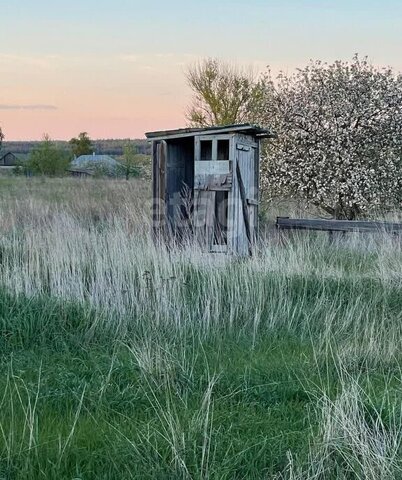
<point>245,208</point>
<point>162,154</point>
<point>248,129</point>
<point>155,190</point>
<point>256,184</point>
<point>204,212</point>
<point>210,220</point>
<point>285,223</point>
<point>245,140</point>
<point>232,222</point>
<point>213,182</point>
<point>215,167</point>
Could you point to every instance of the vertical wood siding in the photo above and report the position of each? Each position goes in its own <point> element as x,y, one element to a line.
<point>177,163</point>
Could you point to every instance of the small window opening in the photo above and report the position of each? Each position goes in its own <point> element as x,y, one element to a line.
<point>221,218</point>
<point>223,149</point>
<point>206,150</point>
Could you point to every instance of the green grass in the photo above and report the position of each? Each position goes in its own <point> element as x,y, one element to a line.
<point>96,414</point>
<point>122,360</point>
<point>76,404</point>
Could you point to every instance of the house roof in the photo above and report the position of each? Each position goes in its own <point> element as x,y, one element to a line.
<point>18,156</point>
<point>246,128</point>
<point>88,161</point>
<point>21,156</point>
<point>3,153</point>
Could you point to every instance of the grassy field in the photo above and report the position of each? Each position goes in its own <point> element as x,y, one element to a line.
<point>120,360</point>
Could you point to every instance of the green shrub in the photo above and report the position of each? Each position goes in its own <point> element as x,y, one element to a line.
<point>47,159</point>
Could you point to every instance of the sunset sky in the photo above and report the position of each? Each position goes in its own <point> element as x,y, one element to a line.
<point>115,68</point>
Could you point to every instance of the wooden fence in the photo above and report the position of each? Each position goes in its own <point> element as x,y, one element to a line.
<point>286,223</point>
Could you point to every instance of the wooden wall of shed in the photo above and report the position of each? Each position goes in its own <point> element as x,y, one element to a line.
<point>179,182</point>
<point>173,169</point>
<point>239,241</point>
<point>173,176</point>
<point>159,151</point>
<point>257,153</point>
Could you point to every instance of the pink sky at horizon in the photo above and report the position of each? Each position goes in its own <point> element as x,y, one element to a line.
<point>116,97</point>
<point>116,69</point>
<point>102,102</point>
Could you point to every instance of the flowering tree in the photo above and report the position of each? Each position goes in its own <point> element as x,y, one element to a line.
<point>339,140</point>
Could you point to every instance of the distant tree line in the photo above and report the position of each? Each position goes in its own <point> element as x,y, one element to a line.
<point>53,158</point>
<point>113,147</point>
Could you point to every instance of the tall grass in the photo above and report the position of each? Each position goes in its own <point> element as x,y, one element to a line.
<point>196,366</point>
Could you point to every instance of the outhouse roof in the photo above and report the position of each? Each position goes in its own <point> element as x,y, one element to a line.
<point>246,128</point>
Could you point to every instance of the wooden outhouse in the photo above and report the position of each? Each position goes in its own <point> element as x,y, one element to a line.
<point>206,185</point>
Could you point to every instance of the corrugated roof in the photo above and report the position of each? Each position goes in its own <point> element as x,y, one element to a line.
<point>87,161</point>
<point>247,128</point>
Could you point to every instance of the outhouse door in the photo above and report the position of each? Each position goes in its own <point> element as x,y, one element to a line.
<point>246,184</point>
<point>213,177</point>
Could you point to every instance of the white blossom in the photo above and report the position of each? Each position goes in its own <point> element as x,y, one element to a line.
<point>339,140</point>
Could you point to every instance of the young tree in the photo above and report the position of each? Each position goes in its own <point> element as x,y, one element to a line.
<point>82,145</point>
<point>339,140</point>
<point>48,159</point>
<point>1,137</point>
<point>223,94</point>
<point>129,156</point>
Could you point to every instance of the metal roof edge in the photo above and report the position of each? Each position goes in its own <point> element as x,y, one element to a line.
<point>189,132</point>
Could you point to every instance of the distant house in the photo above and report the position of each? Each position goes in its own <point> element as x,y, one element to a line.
<point>80,172</point>
<point>87,165</point>
<point>9,159</point>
